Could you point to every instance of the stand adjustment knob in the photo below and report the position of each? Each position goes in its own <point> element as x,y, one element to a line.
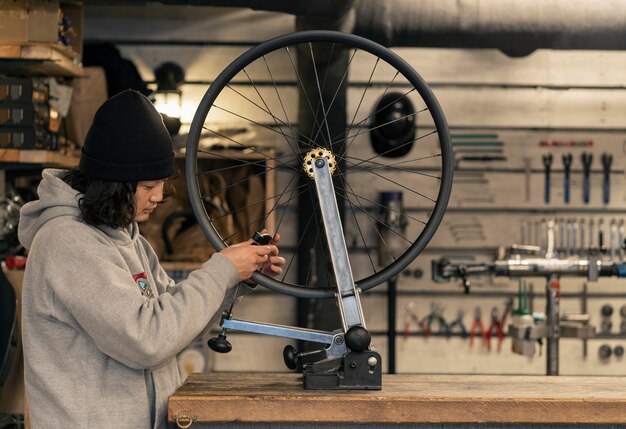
<point>220,344</point>
<point>358,338</point>
<point>291,357</point>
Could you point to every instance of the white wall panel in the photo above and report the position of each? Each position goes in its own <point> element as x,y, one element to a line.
<point>565,96</point>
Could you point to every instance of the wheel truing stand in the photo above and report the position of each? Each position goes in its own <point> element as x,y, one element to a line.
<point>347,361</point>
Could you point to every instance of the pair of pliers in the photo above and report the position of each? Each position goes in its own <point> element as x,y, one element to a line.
<point>478,325</point>
<point>496,324</point>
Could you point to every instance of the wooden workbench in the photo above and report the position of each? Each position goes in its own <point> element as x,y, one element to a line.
<point>241,399</point>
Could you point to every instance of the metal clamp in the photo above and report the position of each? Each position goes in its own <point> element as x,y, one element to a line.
<point>184,419</point>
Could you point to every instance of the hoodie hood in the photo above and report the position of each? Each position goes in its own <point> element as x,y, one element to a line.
<point>58,199</point>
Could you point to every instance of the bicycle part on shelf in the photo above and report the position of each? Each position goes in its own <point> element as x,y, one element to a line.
<point>567,164</point>
<point>587,159</point>
<point>429,165</point>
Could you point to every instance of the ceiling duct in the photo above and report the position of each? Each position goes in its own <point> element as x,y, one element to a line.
<point>516,27</point>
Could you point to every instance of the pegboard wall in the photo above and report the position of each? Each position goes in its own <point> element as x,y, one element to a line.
<point>507,115</point>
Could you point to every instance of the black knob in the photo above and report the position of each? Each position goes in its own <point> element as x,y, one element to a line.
<point>606,310</point>
<point>606,325</point>
<point>604,351</point>
<point>220,344</point>
<point>358,339</point>
<point>618,351</point>
<point>622,311</point>
<point>291,357</point>
<point>418,273</point>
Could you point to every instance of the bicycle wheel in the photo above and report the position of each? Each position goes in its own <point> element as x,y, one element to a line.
<point>339,77</point>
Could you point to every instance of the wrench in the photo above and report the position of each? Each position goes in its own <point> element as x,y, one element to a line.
<point>586,159</point>
<point>581,228</point>
<point>592,238</point>
<point>620,240</point>
<point>612,239</point>
<point>567,164</point>
<point>547,163</point>
<point>601,236</point>
<point>607,160</point>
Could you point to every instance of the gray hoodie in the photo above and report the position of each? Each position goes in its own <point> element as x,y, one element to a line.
<point>99,350</point>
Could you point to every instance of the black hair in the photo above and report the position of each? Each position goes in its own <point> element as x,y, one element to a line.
<point>102,202</point>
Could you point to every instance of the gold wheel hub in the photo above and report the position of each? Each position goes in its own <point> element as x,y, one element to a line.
<point>317,153</point>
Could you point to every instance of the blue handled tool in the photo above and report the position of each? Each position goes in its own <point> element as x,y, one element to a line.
<point>567,164</point>
<point>607,160</point>
<point>586,159</point>
<point>547,163</point>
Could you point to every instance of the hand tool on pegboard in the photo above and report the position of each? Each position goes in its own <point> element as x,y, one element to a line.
<point>567,164</point>
<point>586,159</point>
<point>499,323</point>
<point>478,325</point>
<point>601,245</point>
<point>458,322</point>
<point>435,315</point>
<point>412,316</point>
<point>607,160</point>
<point>613,245</point>
<point>547,164</point>
<point>620,239</point>
<point>583,238</point>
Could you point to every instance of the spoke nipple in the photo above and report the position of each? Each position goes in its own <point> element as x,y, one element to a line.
<point>319,163</point>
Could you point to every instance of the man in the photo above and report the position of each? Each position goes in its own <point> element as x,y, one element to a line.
<point>102,321</point>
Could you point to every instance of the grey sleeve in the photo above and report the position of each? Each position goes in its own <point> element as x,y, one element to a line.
<point>91,281</point>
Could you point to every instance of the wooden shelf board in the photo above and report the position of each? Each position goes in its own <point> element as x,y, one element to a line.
<point>39,59</point>
<point>44,157</point>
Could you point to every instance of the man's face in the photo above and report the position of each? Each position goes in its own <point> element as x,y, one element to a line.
<point>147,195</point>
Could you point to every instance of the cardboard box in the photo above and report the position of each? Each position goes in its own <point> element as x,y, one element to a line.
<point>90,91</point>
<point>28,21</point>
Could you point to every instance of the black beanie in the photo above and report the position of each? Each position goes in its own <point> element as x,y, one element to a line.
<point>127,141</point>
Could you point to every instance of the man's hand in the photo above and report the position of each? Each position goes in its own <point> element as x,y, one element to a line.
<point>273,266</point>
<point>247,258</point>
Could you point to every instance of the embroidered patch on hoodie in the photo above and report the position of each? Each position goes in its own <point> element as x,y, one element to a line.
<point>142,281</point>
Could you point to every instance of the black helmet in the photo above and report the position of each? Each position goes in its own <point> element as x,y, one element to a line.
<point>393,125</point>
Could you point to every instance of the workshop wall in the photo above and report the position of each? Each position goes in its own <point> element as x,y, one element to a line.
<point>572,101</point>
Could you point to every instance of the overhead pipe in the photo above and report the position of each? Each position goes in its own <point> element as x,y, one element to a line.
<point>517,27</point>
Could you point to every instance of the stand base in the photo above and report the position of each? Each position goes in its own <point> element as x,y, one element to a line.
<point>354,372</point>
